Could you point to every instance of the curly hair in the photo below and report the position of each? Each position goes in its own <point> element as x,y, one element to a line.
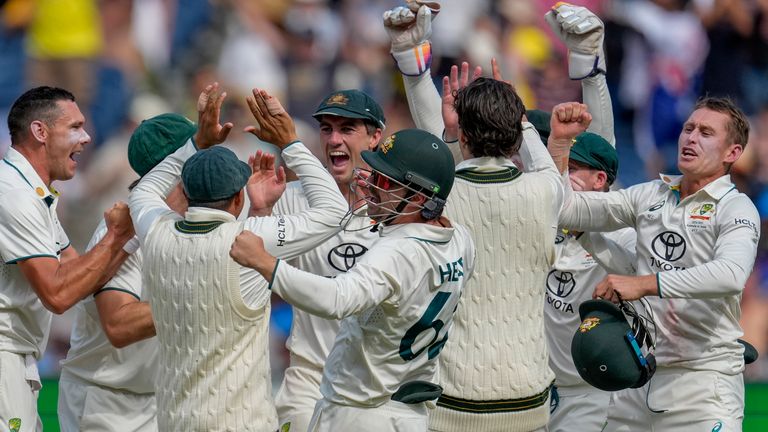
<point>490,114</point>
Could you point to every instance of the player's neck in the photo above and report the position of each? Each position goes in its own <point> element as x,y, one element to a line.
<point>690,184</point>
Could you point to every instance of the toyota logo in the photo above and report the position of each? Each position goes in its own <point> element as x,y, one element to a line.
<point>669,246</point>
<point>344,256</point>
<point>560,283</point>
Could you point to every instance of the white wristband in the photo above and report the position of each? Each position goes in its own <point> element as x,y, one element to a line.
<point>415,61</point>
<point>131,245</point>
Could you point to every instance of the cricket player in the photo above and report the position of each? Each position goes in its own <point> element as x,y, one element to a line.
<point>108,378</point>
<point>210,314</point>
<point>575,404</point>
<point>592,166</point>
<point>40,271</point>
<point>350,122</point>
<point>696,244</point>
<point>397,303</point>
<point>587,63</point>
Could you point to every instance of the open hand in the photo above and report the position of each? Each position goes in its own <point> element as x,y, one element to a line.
<point>275,126</point>
<point>266,184</point>
<point>451,85</point>
<point>209,131</point>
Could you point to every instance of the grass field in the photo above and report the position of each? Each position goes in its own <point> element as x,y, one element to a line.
<point>755,414</point>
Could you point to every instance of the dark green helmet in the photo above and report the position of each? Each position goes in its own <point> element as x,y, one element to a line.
<point>605,351</point>
<point>417,159</point>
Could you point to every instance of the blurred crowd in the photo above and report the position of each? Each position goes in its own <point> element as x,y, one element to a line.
<point>127,60</point>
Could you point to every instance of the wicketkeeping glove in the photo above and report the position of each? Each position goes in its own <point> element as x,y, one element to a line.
<point>409,28</point>
<point>582,32</point>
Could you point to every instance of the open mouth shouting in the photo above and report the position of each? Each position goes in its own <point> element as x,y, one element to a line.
<point>339,160</point>
<point>688,154</point>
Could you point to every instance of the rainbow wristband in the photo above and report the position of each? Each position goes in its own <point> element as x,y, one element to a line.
<point>415,61</point>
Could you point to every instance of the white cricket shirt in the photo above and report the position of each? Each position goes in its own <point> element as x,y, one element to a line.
<point>701,248</point>
<point>398,303</point>
<point>29,228</point>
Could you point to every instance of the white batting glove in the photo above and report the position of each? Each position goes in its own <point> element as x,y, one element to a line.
<point>583,33</point>
<point>409,33</point>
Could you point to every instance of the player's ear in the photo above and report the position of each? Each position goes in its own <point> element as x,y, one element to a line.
<point>374,138</point>
<point>601,180</point>
<point>39,130</point>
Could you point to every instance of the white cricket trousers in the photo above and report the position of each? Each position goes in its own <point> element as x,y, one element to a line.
<point>685,400</point>
<point>94,408</point>
<point>19,387</point>
<point>296,399</point>
<point>580,408</point>
<point>391,417</point>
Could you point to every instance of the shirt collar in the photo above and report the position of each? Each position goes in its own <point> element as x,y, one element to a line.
<point>716,189</point>
<point>486,163</point>
<point>204,214</point>
<point>22,166</point>
<point>419,231</point>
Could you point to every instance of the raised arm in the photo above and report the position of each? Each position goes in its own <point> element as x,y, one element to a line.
<point>147,200</point>
<point>290,235</point>
<point>583,33</point>
<point>409,29</point>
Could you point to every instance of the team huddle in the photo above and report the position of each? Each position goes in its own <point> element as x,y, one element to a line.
<point>475,273</point>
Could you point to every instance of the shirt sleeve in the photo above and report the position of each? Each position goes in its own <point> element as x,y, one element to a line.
<point>361,288</point>
<point>614,251</point>
<point>147,200</point>
<point>598,99</point>
<point>426,107</point>
<point>254,288</point>
<point>537,162</point>
<point>738,231</point>
<point>127,279</point>
<point>25,228</point>
<point>287,236</point>
<point>599,211</point>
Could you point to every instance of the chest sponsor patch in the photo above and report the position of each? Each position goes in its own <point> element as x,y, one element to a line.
<point>668,247</point>
<point>344,256</point>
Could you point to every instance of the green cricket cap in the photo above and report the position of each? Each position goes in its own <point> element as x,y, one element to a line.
<point>351,104</point>
<point>156,138</point>
<point>602,355</point>
<point>214,174</point>
<point>594,151</point>
<point>416,158</point>
<point>540,120</point>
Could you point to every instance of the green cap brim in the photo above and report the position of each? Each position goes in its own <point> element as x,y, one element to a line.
<point>341,112</point>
